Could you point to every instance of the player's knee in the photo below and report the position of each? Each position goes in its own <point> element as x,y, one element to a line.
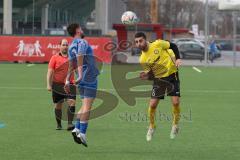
<point>58,106</point>
<point>153,105</point>
<point>86,108</point>
<point>71,102</point>
<point>176,103</point>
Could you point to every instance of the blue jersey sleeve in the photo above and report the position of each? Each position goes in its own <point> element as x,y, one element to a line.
<point>82,47</point>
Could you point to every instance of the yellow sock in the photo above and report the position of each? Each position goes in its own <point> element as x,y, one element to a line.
<point>151,115</point>
<point>176,115</point>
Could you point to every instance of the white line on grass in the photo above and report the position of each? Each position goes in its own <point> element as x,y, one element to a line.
<point>30,65</point>
<point>196,69</point>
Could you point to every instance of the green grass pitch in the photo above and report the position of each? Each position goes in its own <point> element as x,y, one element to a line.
<point>209,131</point>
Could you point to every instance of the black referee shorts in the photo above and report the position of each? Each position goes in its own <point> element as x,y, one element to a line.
<point>58,93</point>
<point>168,85</point>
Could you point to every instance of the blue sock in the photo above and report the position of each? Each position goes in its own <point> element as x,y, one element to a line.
<point>77,124</point>
<point>83,127</point>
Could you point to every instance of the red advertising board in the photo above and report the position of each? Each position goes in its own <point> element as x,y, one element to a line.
<point>41,49</point>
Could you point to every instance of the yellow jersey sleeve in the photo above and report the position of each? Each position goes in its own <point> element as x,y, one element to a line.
<point>162,44</point>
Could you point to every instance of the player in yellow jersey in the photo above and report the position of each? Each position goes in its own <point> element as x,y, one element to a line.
<point>160,60</point>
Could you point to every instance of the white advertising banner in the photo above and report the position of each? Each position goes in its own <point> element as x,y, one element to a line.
<point>229,5</point>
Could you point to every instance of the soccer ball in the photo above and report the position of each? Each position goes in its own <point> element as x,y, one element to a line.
<point>129,18</point>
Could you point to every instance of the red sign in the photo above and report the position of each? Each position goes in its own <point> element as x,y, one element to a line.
<point>41,49</point>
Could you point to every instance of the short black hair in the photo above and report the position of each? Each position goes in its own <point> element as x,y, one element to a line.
<point>72,29</point>
<point>140,34</point>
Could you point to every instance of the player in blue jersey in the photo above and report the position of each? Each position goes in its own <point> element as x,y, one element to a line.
<point>81,60</point>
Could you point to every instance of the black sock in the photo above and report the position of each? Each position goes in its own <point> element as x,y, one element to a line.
<point>71,113</point>
<point>58,115</point>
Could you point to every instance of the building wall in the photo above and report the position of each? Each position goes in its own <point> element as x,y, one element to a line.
<point>60,13</point>
<point>107,12</point>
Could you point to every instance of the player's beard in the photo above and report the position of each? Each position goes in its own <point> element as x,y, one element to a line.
<point>64,52</point>
<point>82,36</point>
<point>144,47</point>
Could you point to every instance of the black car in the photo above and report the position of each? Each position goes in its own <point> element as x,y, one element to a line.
<point>191,50</point>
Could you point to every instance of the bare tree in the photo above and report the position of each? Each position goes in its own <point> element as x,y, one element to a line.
<point>183,14</point>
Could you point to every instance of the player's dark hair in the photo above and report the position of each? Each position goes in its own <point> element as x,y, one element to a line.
<point>140,34</point>
<point>72,28</point>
